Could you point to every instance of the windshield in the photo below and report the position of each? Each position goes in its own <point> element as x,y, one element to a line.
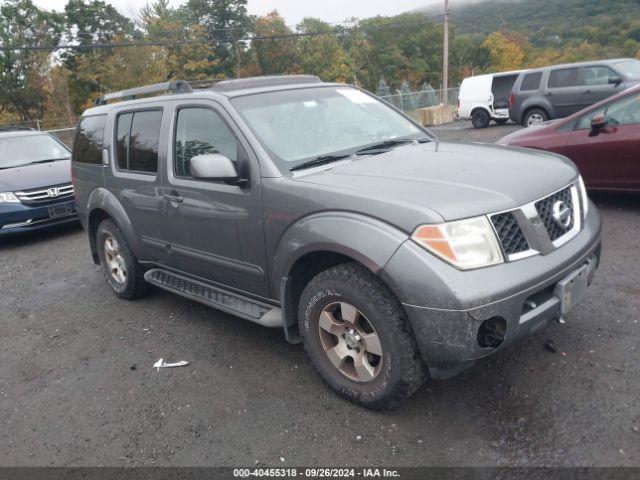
<point>298,125</point>
<point>631,68</point>
<point>26,149</point>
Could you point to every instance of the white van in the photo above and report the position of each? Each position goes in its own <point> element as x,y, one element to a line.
<point>486,97</point>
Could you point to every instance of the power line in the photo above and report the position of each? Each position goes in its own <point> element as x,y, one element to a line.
<point>341,32</point>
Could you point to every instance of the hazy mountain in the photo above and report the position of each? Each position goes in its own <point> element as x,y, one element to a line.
<point>544,22</point>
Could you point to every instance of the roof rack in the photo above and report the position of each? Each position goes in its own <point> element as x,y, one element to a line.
<point>16,128</point>
<point>176,86</point>
<point>266,81</point>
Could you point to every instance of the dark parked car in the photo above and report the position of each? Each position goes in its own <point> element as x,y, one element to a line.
<point>35,181</point>
<point>316,208</point>
<point>562,90</point>
<point>602,140</point>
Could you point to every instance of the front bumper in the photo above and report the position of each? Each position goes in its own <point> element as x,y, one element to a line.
<point>446,307</point>
<point>18,218</point>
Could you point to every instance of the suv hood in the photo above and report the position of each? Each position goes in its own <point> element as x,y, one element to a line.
<point>35,176</point>
<point>455,179</point>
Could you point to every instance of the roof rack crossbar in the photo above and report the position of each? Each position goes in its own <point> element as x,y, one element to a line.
<point>176,86</point>
<point>15,128</point>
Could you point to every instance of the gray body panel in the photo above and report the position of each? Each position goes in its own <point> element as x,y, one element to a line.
<point>248,238</point>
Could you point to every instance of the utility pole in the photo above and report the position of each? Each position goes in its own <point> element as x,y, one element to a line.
<point>445,56</point>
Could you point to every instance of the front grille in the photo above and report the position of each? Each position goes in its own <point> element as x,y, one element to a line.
<point>46,195</point>
<point>511,235</point>
<point>545,208</point>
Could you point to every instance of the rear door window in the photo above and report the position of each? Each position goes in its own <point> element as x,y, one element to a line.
<point>565,77</point>
<point>531,81</point>
<point>137,140</point>
<point>87,145</point>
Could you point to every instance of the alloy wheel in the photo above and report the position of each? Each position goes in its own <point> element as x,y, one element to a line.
<point>534,119</point>
<point>350,342</point>
<point>115,262</point>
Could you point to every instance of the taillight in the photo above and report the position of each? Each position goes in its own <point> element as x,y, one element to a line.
<point>512,100</point>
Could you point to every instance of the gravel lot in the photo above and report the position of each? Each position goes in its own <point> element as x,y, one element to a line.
<point>77,385</point>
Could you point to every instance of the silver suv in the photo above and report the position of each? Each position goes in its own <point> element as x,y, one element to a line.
<point>562,90</point>
<point>319,209</point>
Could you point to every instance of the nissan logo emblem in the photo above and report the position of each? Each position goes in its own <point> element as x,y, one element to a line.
<point>561,214</point>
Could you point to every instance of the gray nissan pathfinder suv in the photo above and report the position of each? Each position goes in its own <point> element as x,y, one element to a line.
<point>316,208</point>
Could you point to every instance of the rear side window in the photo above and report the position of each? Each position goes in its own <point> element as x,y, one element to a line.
<point>566,77</point>
<point>200,131</point>
<point>87,145</point>
<point>137,140</point>
<point>531,81</point>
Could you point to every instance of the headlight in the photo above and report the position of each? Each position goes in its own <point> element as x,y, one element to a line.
<point>8,197</point>
<point>465,244</point>
<point>583,196</point>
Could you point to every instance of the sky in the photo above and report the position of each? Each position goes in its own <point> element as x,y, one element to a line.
<point>292,10</point>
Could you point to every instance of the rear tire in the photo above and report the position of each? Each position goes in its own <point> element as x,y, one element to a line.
<point>535,116</point>
<point>480,118</point>
<point>120,266</point>
<point>357,337</point>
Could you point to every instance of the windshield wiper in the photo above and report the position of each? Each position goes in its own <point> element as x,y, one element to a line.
<point>387,144</point>
<point>321,160</point>
<point>48,160</point>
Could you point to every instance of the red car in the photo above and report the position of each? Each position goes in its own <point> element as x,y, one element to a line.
<point>603,140</point>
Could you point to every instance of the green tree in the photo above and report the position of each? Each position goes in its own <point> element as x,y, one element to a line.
<point>275,55</point>
<point>504,53</point>
<point>89,23</point>
<point>23,73</point>
<point>321,55</point>
<point>226,23</point>
<point>193,59</point>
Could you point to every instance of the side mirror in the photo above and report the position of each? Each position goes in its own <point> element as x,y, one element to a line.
<point>216,167</point>
<point>615,81</point>
<point>597,123</point>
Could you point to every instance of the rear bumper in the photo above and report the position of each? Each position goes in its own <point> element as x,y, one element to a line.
<point>447,307</point>
<point>18,218</point>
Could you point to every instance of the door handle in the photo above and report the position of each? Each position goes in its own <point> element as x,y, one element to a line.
<point>173,196</point>
<point>587,91</point>
<point>548,94</point>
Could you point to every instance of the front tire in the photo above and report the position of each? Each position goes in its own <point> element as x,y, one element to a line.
<point>119,265</point>
<point>357,337</point>
<point>480,118</point>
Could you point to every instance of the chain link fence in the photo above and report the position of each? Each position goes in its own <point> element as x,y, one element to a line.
<point>426,98</point>
<point>62,128</point>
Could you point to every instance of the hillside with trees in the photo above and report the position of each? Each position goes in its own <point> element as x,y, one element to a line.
<point>42,78</point>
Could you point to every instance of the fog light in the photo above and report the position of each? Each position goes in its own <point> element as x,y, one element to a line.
<point>491,332</point>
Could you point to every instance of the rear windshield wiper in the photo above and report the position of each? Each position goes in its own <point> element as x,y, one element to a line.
<point>321,160</point>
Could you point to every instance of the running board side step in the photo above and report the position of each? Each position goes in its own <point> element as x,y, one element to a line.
<point>229,302</point>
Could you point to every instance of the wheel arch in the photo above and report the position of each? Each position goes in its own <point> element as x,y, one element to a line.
<point>321,241</point>
<point>102,205</point>
<point>535,106</point>
<point>480,107</point>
